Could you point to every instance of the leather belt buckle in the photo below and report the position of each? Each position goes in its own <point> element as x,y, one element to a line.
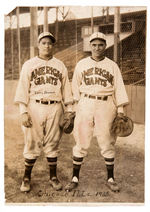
<point>92,97</point>
<point>46,102</point>
<point>99,98</point>
<point>104,98</point>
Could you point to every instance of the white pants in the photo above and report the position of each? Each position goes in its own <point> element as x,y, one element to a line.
<point>94,117</point>
<point>45,133</point>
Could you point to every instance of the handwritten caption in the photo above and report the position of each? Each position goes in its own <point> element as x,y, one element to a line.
<point>75,193</point>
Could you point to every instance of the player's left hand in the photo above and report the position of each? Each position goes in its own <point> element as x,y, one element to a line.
<point>26,120</point>
<point>121,115</point>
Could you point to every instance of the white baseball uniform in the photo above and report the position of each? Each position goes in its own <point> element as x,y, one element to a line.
<point>99,89</point>
<point>47,81</point>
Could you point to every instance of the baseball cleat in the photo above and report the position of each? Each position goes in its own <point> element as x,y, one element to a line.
<point>54,182</point>
<point>25,186</point>
<point>72,185</point>
<point>112,185</point>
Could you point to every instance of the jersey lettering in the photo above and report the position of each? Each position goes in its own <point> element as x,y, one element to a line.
<point>95,81</point>
<point>90,77</point>
<point>46,74</point>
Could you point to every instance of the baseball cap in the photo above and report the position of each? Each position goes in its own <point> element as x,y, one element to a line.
<point>98,35</point>
<point>46,34</point>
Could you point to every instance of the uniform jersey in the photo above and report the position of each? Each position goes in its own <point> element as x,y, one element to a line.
<point>99,78</point>
<point>43,79</point>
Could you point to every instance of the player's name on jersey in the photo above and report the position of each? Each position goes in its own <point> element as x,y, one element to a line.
<point>44,92</point>
<point>96,80</point>
<point>46,74</point>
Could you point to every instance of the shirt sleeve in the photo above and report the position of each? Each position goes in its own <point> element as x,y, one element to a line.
<point>66,88</point>
<point>120,109</point>
<point>120,94</point>
<point>22,108</point>
<point>76,82</point>
<point>22,91</point>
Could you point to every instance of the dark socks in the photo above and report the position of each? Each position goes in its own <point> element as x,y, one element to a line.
<point>52,162</point>
<point>76,166</point>
<point>110,167</point>
<point>110,171</point>
<point>29,163</point>
<point>76,170</point>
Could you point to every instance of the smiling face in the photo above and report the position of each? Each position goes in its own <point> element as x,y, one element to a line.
<point>45,48</point>
<point>97,48</point>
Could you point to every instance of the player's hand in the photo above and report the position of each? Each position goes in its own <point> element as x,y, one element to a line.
<point>75,106</point>
<point>26,120</point>
<point>121,115</point>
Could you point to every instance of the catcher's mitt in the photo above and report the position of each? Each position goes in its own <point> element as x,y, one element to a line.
<point>67,122</point>
<point>121,126</point>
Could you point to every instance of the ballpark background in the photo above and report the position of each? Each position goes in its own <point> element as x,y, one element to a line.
<point>128,50</point>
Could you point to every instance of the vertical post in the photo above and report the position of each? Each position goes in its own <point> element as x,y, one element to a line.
<point>117,35</point>
<point>33,31</point>
<point>46,19</point>
<point>12,48</point>
<point>107,15</point>
<point>56,25</point>
<point>18,36</point>
<point>92,24</point>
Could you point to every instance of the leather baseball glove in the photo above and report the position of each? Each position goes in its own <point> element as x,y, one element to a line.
<point>122,126</point>
<point>67,122</point>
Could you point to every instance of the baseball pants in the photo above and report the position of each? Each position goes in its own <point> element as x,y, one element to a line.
<point>45,133</point>
<point>94,117</point>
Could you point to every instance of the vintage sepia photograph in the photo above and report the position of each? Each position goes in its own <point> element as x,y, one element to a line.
<point>74,105</point>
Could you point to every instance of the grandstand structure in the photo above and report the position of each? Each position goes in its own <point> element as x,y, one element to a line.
<point>70,46</point>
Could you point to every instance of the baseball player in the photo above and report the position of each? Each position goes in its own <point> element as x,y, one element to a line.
<point>100,94</point>
<point>42,87</point>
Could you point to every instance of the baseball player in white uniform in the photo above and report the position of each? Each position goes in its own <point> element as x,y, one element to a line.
<point>42,87</point>
<point>100,94</point>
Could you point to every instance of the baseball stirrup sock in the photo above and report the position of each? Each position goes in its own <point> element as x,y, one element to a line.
<point>76,166</point>
<point>52,162</point>
<point>29,163</point>
<point>110,167</point>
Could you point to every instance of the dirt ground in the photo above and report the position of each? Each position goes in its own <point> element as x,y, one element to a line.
<point>129,169</point>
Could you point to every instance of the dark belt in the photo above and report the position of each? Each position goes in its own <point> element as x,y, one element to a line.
<point>46,102</point>
<point>104,98</point>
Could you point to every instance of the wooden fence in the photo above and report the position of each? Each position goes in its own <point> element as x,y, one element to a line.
<point>136,109</point>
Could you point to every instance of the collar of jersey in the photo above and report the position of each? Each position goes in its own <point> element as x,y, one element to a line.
<point>98,60</point>
<point>45,59</point>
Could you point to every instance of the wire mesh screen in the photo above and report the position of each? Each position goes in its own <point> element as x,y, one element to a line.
<point>69,46</point>
<point>132,57</point>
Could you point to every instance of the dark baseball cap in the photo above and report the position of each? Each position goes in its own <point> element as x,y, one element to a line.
<point>47,34</point>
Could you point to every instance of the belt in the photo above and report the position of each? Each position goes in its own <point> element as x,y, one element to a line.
<point>46,102</point>
<point>104,98</point>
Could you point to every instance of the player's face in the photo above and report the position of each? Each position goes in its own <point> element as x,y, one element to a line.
<point>97,47</point>
<point>45,47</point>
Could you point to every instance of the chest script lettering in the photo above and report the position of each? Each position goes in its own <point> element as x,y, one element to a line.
<point>92,76</point>
<point>45,75</point>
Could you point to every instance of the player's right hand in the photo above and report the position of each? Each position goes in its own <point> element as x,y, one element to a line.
<point>26,120</point>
